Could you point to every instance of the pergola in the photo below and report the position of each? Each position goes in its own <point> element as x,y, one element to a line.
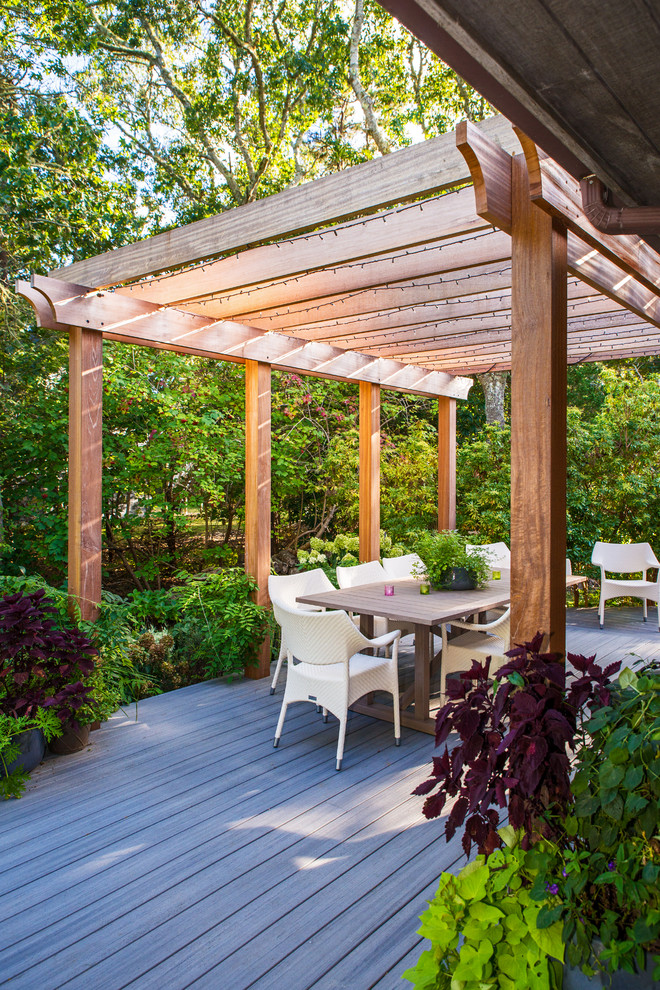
<point>452,257</point>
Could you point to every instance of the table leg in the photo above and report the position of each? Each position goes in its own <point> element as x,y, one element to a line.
<point>422,672</point>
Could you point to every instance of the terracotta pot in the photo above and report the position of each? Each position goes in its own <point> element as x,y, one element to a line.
<point>72,741</point>
<point>33,747</point>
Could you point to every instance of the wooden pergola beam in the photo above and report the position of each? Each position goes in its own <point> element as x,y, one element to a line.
<point>140,322</point>
<point>258,491</point>
<point>538,420</point>
<point>446,463</point>
<point>85,470</point>
<point>405,175</point>
<point>450,257</point>
<point>558,193</point>
<point>369,427</point>
<point>394,231</point>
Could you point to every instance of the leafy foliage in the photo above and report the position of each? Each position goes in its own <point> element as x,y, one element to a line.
<point>43,666</point>
<point>482,926</point>
<point>513,744</point>
<point>12,781</point>
<point>343,551</point>
<point>604,871</point>
<point>443,552</point>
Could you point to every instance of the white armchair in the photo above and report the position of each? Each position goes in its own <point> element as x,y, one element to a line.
<point>371,573</point>
<point>283,589</point>
<point>626,558</point>
<point>330,672</point>
<point>499,554</point>
<point>481,640</point>
<point>400,568</point>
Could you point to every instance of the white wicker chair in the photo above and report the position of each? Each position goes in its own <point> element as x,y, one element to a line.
<point>499,554</point>
<point>399,568</point>
<point>626,558</point>
<point>371,573</point>
<point>481,640</point>
<point>284,589</point>
<point>330,672</point>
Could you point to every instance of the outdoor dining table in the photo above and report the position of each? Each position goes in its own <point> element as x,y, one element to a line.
<point>427,613</point>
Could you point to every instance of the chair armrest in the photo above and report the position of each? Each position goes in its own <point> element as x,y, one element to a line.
<point>481,626</point>
<point>385,640</point>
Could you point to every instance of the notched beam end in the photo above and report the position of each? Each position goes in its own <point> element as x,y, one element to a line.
<point>490,168</point>
<point>43,311</point>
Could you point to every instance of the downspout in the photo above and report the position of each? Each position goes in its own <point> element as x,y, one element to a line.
<point>642,220</point>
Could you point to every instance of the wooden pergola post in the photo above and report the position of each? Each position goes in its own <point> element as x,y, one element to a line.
<point>85,469</point>
<point>369,471</point>
<point>446,463</point>
<point>257,491</point>
<point>538,418</point>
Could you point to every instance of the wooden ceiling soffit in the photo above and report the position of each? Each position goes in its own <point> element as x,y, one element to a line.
<point>405,175</point>
<point>434,258</point>
<point>556,191</point>
<point>321,250</point>
<point>138,322</point>
<point>559,194</point>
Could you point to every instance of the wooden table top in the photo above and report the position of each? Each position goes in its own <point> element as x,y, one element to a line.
<point>408,605</point>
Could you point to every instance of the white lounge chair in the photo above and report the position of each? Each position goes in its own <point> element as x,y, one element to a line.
<point>330,672</point>
<point>283,589</point>
<point>626,558</point>
<point>480,640</point>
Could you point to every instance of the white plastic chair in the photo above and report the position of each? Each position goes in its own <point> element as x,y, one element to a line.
<point>626,558</point>
<point>370,573</point>
<point>481,640</point>
<point>499,554</point>
<point>400,568</point>
<point>330,672</point>
<point>284,589</point>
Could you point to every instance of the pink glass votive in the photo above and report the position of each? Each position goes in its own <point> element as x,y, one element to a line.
<point>389,589</point>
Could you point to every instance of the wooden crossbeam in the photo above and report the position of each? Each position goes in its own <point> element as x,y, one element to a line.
<point>142,323</point>
<point>451,257</point>
<point>405,175</point>
<point>393,231</point>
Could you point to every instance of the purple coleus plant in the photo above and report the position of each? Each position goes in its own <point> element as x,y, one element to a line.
<point>42,665</point>
<point>515,738</point>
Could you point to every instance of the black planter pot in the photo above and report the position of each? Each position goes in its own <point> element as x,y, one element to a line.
<point>458,579</point>
<point>33,747</point>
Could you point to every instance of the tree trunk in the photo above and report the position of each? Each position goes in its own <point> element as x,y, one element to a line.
<point>494,385</point>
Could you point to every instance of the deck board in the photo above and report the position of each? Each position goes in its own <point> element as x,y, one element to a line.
<point>182,850</point>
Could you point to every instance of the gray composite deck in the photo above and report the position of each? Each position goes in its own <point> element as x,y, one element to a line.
<point>181,850</point>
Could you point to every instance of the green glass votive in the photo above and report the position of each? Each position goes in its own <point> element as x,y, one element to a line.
<point>497,575</point>
<point>424,588</point>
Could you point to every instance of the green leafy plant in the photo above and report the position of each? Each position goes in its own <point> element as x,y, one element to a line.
<point>483,931</point>
<point>220,627</point>
<point>444,552</point>
<point>12,781</point>
<point>604,870</point>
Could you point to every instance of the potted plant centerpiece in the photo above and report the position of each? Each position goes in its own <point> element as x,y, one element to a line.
<point>448,563</point>
<point>567,894</point>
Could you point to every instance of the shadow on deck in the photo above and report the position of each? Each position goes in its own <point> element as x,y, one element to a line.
<point>182,850</point>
